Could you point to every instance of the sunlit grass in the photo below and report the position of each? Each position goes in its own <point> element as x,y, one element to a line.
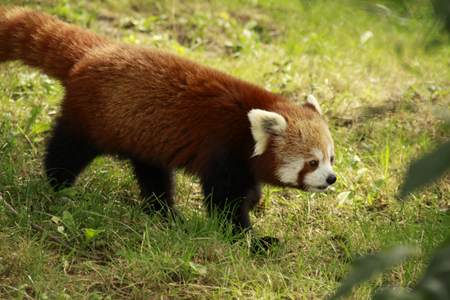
<point>379,95</point>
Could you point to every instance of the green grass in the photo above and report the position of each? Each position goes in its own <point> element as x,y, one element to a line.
<point>380,99</point>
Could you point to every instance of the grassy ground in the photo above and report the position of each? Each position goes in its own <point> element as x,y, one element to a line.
<point>383,85</point>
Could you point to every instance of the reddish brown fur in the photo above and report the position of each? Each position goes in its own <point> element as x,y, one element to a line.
<point>43,41</point>
<point>306,131</point>
<point>108,87</point>
<point>201,103</point>
<point>162,112</point>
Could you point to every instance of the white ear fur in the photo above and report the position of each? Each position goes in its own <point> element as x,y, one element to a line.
<point>311,99</point>
<point>263,125</point>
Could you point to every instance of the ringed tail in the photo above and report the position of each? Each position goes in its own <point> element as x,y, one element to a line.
<point>40,40</point>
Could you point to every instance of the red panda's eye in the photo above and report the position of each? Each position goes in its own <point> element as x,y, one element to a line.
<point>313,164</point>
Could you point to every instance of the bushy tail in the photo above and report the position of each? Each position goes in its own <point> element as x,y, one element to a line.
<point>40,40</point>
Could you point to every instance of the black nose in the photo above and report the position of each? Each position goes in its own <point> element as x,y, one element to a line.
<point>331,179</point>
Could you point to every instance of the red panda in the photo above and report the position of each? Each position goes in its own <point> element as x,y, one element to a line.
<point>164,112</point>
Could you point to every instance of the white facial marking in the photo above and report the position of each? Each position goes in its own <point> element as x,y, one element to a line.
<point>263,125</point>
<point>317,181</point>
<point>330,150</point>
<point>289,171</point>
<point>317,153</point>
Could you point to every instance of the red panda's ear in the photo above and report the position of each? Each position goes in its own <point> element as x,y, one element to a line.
<point>263,125</point>
<point>312,101</point>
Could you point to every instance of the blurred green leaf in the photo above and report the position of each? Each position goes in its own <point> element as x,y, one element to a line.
<point>198,268</point>
<point>224,15</point>
<point>91,233</point>
<point>435,284</point>
<point>40,127</point>
<point>367,267</point>
<point>35,111</point>
<point>427,169</point>
<point>345,197</point>
<point>68,219</point>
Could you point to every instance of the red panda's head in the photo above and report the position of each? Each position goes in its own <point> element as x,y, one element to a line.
<point>302,152</point>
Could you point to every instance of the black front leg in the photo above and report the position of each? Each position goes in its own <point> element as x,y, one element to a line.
<point>231,190</point>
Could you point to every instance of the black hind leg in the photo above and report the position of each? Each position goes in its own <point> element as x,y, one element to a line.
<point>157,187</point>
<point>66,157</point>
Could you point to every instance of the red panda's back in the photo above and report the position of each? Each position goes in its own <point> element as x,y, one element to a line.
<point>157,105</point>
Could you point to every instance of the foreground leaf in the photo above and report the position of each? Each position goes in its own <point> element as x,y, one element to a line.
<point>91,233</point>
<point>435,284</point>
<point>367,267</point>
<point>427,169</point>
